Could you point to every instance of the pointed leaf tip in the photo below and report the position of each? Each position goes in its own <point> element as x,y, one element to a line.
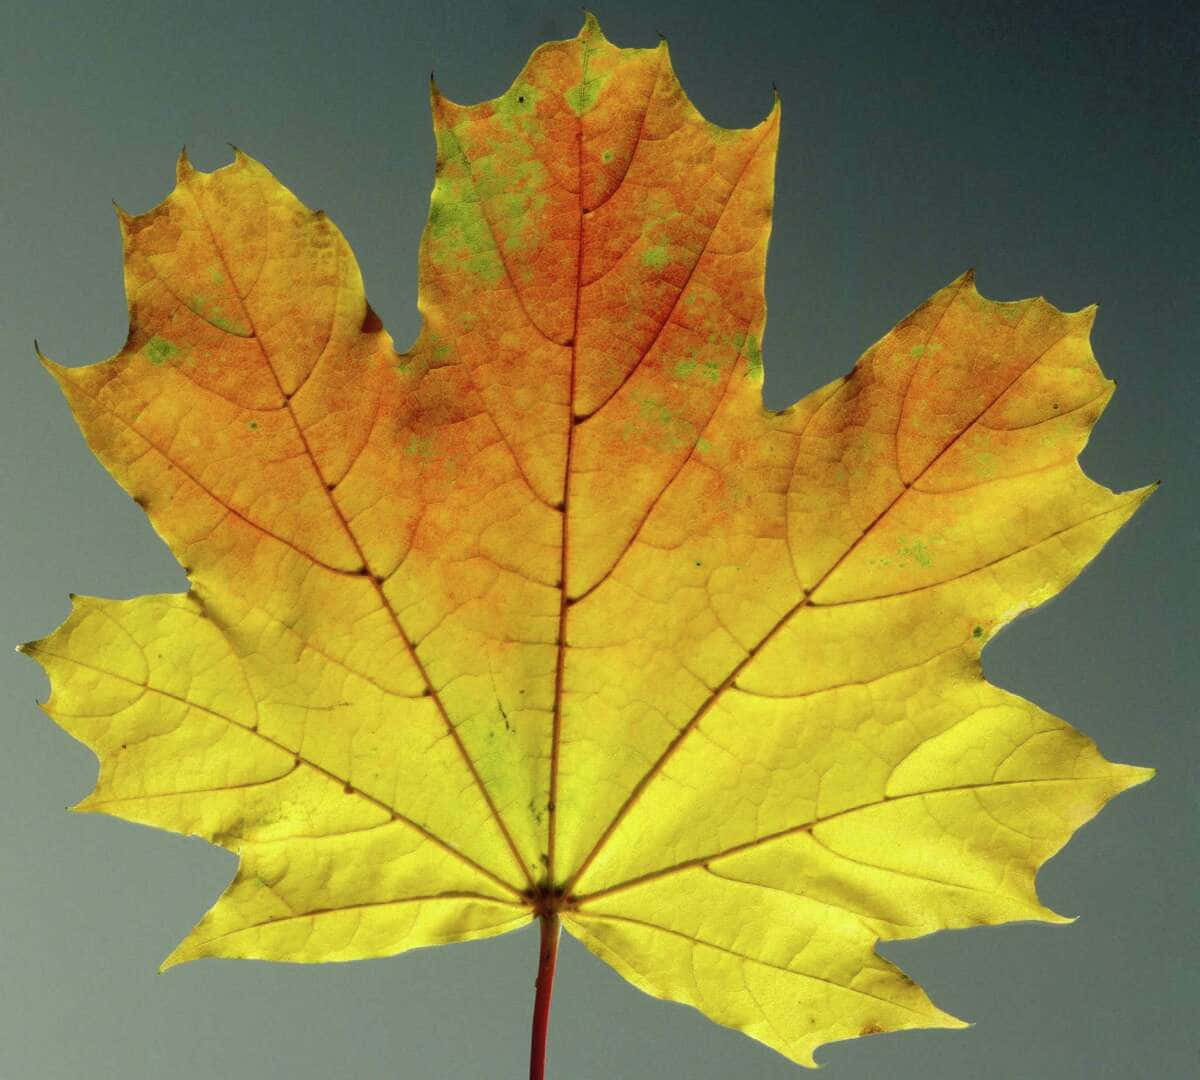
<point>1139,774</point>
<point>174,958</point>
<point>55,369</point>
<point>591,25</point>
<point>1055,918</point>
<point>183,166</point>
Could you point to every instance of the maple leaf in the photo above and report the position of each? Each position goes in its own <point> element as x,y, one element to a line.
<point>547,617</point>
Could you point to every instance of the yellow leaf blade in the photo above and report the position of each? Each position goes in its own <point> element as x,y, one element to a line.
<point>776,973</point>
<point>548,614</point>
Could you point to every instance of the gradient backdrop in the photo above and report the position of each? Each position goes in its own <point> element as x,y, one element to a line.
<point>1052,147</point>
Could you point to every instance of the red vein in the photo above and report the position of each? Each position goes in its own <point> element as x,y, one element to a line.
<point>912,376</point>
<point>801,694</point>
<point>564,556</point>
<point>520,303</point>
<point>687,281</point>
<point>792,830</point>
<point>306,645</point>
<point>522,475</point>
<point>261,529</point>
<point>689,456</point>
<point>1049,417</point>
<point>695,941</point>
<point>187,306</point>
<point>975,569</point>
<point>298,758</point>
<point>911,874</point>
<point>449,131</point>
<point>118,799</point>
<point>738,668</point>
<point>1050,466</point>
<point>366,906</point>
<point>375,582</point>
<point>637,141</point>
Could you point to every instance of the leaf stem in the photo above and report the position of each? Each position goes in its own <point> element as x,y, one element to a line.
<point>547,958</point>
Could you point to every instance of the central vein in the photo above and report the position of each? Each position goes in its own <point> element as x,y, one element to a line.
<point>565,504</point>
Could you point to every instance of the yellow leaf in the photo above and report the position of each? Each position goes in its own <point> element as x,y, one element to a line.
<point>547,617</point>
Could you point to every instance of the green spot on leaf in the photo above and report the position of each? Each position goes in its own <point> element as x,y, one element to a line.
<point>419,446</point>
<point>584,94</point>
<point>656,256</point>
<point>440,347</point>
<point>654,410</point>
<point>208,310</point>
<point>985,463</point>
<point>517,109</point>
<point>916,550</point>
<point>754,362</point>
<point>158,350</point>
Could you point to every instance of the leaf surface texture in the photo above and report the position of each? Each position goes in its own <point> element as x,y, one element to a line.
<point>549,609</point>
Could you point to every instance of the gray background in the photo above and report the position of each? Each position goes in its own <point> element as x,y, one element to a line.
<point>1052,147</point>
